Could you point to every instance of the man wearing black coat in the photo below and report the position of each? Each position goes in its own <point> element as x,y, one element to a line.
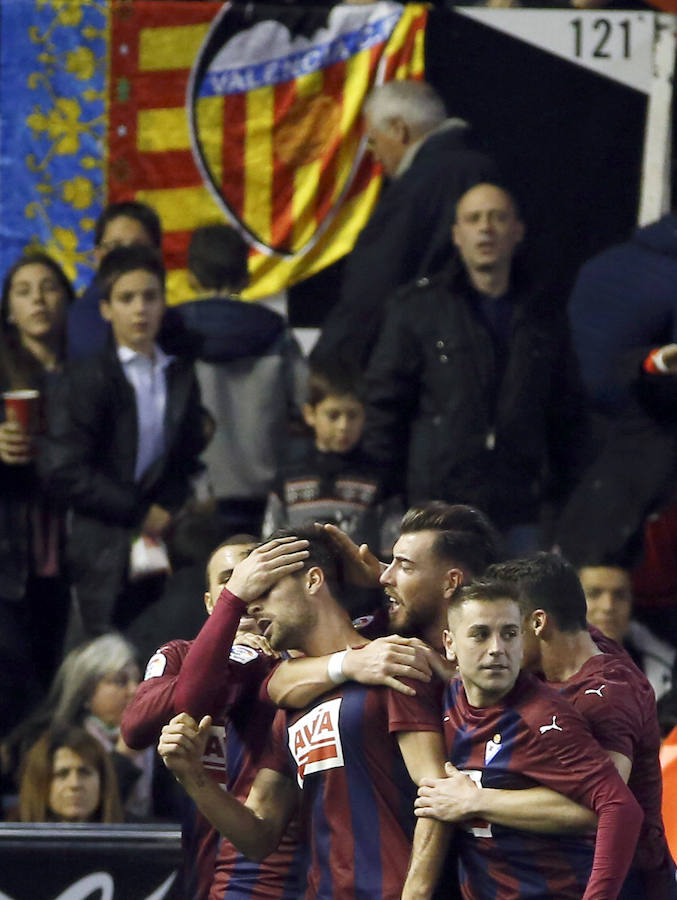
<point>429,162</point>
<point>473,393</point>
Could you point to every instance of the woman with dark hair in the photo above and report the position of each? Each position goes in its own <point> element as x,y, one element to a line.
<point>33,308</point>
<point>68,777</point>
<point>33,598</point>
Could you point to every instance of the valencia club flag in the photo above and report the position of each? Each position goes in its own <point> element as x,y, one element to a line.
<point>251,114</point>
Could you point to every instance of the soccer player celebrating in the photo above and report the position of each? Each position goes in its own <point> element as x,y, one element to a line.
<point>440,547</point>
<point>209,675</point>
<point>506,729</point>
<point>356,753</point>
<point>608,690</point>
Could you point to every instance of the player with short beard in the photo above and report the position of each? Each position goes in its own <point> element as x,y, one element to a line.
<point>357,753</point>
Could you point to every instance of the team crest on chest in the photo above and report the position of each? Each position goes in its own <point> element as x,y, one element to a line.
<point>315,740</point>
<point>491,748</point>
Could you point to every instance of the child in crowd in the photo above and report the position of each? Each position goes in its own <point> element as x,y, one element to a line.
<point>328,479</point>
<point>124,434</point>
<point>251,371</point>
<point>120,225</point>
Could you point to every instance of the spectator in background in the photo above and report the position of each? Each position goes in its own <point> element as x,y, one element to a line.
<point>124,434</point>
<point>91,689</point>
<point>328,478</point>
<point>623,312</point>
<point>608,591</point>
<point>33,594</point>
<point>622,308</point>
<point>251,373</point>
<point>68,777</point>
<point>124,224</point>
<point>429,161</point>
<point>473,389</point>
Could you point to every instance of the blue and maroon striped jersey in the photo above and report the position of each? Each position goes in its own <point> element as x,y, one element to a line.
<point>534,736</point>
<point>357,795</point>
<point>231,678</point>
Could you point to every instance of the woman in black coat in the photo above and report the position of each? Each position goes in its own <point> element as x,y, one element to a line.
<point>33,597</point>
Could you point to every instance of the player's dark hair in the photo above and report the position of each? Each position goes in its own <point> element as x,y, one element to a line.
<point>484,590</point>
<point>233,541</point>
<point>122,260</point>
<point>547,581</point>
<point>322,553</point>
<point>334,378</point>
<point>465,536</point>
<point>217,257</point>
<point>132,209</point>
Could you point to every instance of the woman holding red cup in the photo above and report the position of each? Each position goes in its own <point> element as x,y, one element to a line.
<point>33,596</point>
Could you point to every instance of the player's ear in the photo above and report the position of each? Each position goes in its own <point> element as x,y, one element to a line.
<point>314,579</point>
<point>448,641</point>
<point>453,579</point>
<point>538,621</point>
<point>209,603</point>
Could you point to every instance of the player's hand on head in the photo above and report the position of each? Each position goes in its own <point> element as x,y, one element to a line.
<point>386,660</point>
<point>360,566</point>
<point>450,799</point>
<point>182,742</point>
<point>266,565</point>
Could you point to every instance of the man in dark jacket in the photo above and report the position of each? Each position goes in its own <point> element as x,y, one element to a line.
<point>472,389</point>
<point>429,162</point>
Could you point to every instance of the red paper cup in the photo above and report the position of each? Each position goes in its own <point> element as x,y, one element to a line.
<point>23,407</point>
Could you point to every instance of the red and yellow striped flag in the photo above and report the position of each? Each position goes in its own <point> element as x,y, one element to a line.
<point>252,114</point>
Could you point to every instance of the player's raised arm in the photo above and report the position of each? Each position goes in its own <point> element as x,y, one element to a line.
<point>256,827</point>
<point>202,684</point>
<point>360,567</point>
